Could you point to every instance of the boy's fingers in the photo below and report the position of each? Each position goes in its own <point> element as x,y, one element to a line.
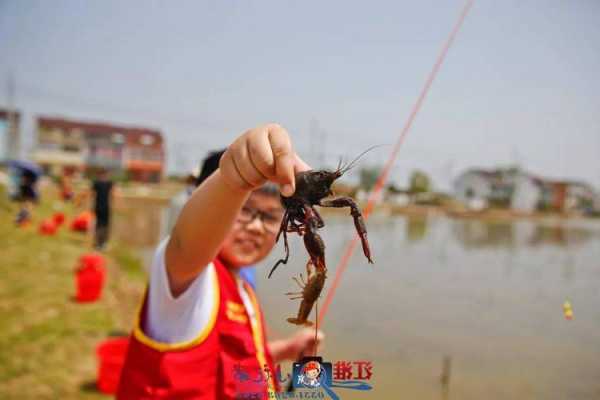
<point>258,146</point>
<point>283,157</point>
<point>231,174</point>
<point>245,165</point>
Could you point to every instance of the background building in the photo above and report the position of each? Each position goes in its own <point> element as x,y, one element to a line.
<point>522,191</point>
<point>69,146</point>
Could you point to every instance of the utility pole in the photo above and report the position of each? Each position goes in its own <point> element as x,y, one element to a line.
<point>12,139</point>
<point>516,157</point>
<point>313,140</point>
<point>322,148</point>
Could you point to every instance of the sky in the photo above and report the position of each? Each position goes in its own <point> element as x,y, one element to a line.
<point>519,85</point>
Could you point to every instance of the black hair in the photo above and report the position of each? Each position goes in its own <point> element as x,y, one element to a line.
<point>209,165</point>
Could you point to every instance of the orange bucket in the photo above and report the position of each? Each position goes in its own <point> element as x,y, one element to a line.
<point>89,277</point>
<point>111,357</point>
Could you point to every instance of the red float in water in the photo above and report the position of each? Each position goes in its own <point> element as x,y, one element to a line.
<point>89,277</point>
<point>111,357</point>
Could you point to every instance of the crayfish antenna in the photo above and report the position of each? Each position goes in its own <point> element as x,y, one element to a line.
<point>351,164</point>
<point>339,167</point>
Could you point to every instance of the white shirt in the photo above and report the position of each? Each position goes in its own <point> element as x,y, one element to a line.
<point>181,319</point>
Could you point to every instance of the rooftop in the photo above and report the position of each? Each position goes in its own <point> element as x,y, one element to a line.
<point>97,128</point>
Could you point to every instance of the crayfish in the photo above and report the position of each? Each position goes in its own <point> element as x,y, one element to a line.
<point>312,188</point>
<point>301,217</point>
<point>311,289</point>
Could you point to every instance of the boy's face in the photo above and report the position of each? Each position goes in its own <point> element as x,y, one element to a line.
<point>253,235</point>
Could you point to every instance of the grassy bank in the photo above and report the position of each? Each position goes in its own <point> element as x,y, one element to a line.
<point>47,341</point>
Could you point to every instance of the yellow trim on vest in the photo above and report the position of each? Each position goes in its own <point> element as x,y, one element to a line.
<point>257,335</point>
<point>237,317</point>
<point>161,346</point>
<point>235,307</point>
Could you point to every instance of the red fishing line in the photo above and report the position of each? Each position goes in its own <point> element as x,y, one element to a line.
<point>392,158</point>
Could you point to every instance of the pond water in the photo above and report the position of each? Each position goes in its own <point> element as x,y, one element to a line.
<point>486,296</point>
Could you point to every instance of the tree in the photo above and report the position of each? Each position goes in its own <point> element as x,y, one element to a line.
<point>368,177</point>
<point>419,182</point>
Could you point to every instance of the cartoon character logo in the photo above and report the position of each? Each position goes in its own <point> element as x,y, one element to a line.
<point>312,373</point>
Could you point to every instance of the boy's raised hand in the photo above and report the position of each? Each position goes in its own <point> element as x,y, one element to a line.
<point>262,154</point>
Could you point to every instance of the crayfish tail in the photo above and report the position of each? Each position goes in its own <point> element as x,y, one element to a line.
<point>297,321</point>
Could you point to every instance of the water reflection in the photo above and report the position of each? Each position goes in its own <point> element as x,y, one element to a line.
<point>476,234</point>
<point>416,228</point>
<point>480,234</point>
<point>140,223</point>
<point>559,235</point>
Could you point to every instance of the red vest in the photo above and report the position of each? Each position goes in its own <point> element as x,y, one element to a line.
<point>226,360</point>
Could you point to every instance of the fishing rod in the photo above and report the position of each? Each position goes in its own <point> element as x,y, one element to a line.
<point>383,176</point>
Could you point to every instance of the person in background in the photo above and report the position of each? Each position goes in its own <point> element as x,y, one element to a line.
<point>102,188</point>
<point>178,201</point>
<point>27,196</point>
<point>200,329</point>
<point>66,187</point>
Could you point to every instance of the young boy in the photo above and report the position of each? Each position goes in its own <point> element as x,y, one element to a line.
<point>200,333</point>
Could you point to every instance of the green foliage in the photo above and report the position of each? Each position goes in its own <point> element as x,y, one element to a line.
<point>368,177</point>
<point>419,182</point>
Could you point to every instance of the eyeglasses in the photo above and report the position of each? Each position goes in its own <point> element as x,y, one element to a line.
<point>270,221</point>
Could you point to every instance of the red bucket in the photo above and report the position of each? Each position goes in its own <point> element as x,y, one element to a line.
<point>89,277</point>
<point>47,227</point>
<point>82,222</point>
<point>111,357</point>
<point>59,218</point>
